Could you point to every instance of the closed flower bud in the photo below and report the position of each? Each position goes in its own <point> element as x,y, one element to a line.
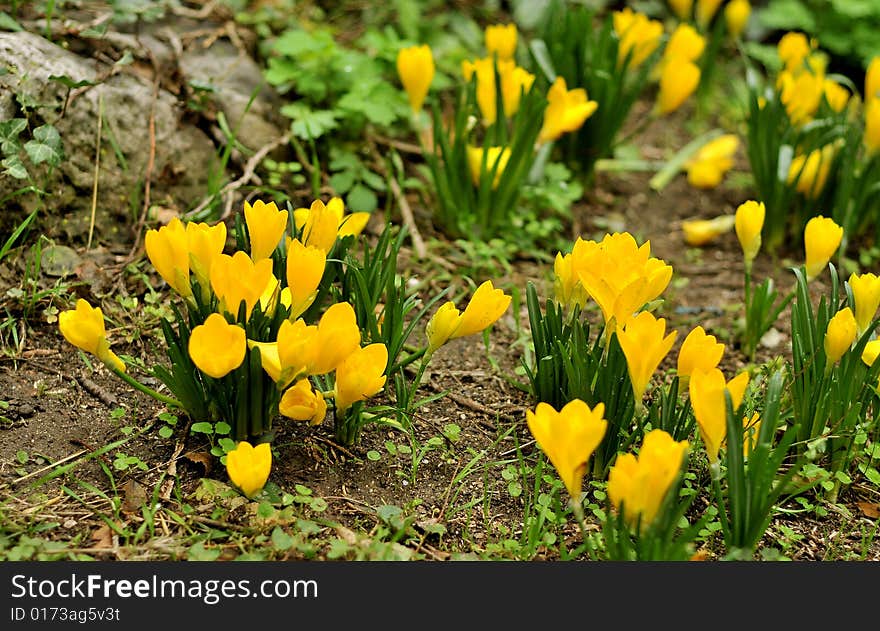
<point>415,67</point>
<point>706,10</point>
<point>644,343</point>
<point>217,347</point>
<point>736,16</point>
<point>678,80</point>
<point>699,351</point>
<point>749,221</point>
<point>84,328</point>
<point>871,138</point>
<point>501,40</point>
<point>305,268</point>
<point>360,376</point>
<point>710,408</point>
<point>496,158</point>
<point>821,239</point>
<point>684,43</point>
<point>839,335</point>
<point>204,244</point>
<point>168,252</point>
<point>866,295</point>
<point>568,437</point>
<point>248,467</point>
<point>809,173</point>
<point>266,226</point>
<point>566,110</point>
<point>301,403</point>
<point>682,9</point>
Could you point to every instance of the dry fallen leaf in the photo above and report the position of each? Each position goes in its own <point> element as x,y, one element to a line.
<point>201,457</point>
<point>869,509</point>
<point>134,496</point>
<point>103,537</point>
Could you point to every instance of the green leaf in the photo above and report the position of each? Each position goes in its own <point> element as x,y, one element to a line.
<point>198,552</point>
<point>165,431</point>
<point>7,23</point>
<point>14,167</point>
<point>787,15</point>
<point>69,83</point>
<point>281,540</point>
<point>202,427</point>
<point>45,146</point>
<point>374,455</point>
<point>361,199</point>
<point>222,428</point>
<point>308,123</point>
<point>9,131</point>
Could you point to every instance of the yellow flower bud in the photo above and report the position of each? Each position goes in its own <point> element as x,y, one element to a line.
<point>866,295</point>
<point>415,67</point>
<point>217,347</point>
<point>496,158</point>
<point>322,225</point>
<point>821,239</point>
<point>749,221</point>
<point>515,82</point>
<point>568,437</point>
<point>793,48</point>
<point>301,403</point>
<point>839,335</point>
<point>872,80</point>
<point>706,10</point>
<point>266,225</point>
<point>237,278</point>
<point>678,80</point>
<point>682,9</point>
<point>809,173</point>
<point>699,351</point>
<point>248,467</point>
<point>360,376</point>
<point>338,337</point>
<point>871,352</point>
<point>204,243</point>
<point>836,95</point>
<point>567,286</point>
<point>684,43</point>
<point>639,36</point>
<point>736,16</point>
<point>84,328</point>
<point>644,343</point>
<point>871,138</point>
<point>501,40</point>
<point>707,398</point>
<point>639,484</point>
<point>702,231</point>
<point>168,252</point>
<point>305,268</point>
<point>710,163</point>
<point>485,307</point>
<point>566,110</point>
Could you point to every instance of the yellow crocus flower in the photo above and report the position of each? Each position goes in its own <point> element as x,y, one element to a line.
<point>168,252</point>
<point>266,225</point>
<point>839,336</point>
<point>484,69</point>
<point>637,485</point>
<point>749,222</point>
<point>872,80</point>
<point>217,347</point>
<point>415,68</point>
<point>321,226</point>
<point>237,278</point>
<point>496,158</point>
<point>822,237</point>
<point>707,398</point>
<point>619,275</point>
<point>801,95</point>
<point>708,166</point>
<point>360,376</point>
<point>809,173</point>
<point>871,352</point>
<point>684,43</point>
<point>248,467</point>
<point>566,284</point>
<point>639,36</point>
<point>351,224</point>
<point>204,243</point>
<point>485,307</point>
<point>699,351</point>
<point>501,40</point>
<point>751,431</point>
<point>644,342</point>
<point>682,8</point>
<point>836,95</point>
<point>702,231</point>
<point>292,355</point>
<point>706,10</point>
<point>678,80</point>
<point>566,110</point>
<point>515,82</point>
<point>338,337</point>
<point>305,268</point>
<point>793,49</point>
<point>301,403</point>
<point>736,16</point>
<point>866,295</point>
<point>871,138</point>
<point>568,437</point>
<point>84,328</point>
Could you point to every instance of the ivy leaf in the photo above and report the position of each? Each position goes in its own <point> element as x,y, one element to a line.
<point>9,131</point>
<point>45,146</point>
<point>14,167</point>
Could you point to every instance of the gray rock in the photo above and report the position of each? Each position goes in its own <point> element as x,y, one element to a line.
<point>183,152</point>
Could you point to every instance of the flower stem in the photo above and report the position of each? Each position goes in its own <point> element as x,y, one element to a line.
<point>146,390</point>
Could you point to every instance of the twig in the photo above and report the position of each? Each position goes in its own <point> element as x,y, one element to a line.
<point>406,147</point>
<point>97,170</point>
<point>249,170</point>
<point>49,466</point>
<point>96,391</point>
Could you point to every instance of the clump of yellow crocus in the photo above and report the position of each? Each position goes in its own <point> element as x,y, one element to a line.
<point>710,409</point>
<point>866,296</point>
<point>168,251</point>
<point>568,438</point>
<point>678,80</point>
<point>217,347</point>
<point>501,40</point>
<point>566,110</point>
<point>839,336</point>
<point>237,278</point>
<point>637,485</point>
<point>485,307</point>
<point>703,231</point>
<point>644,342</point>
<point>514,82</point>
<point>266,225</point>
<point>749,221</point>
<point>639,36</point>
<point>84,328</point>
<point>415,67</point>
<point>699,352</point>
<point>248,467</point>
<point>301,403</point>
<point>360,376</point>
<point>736,16</point>
<point>822,237</point>
<point>496,158</point>
<point>708,166</point>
